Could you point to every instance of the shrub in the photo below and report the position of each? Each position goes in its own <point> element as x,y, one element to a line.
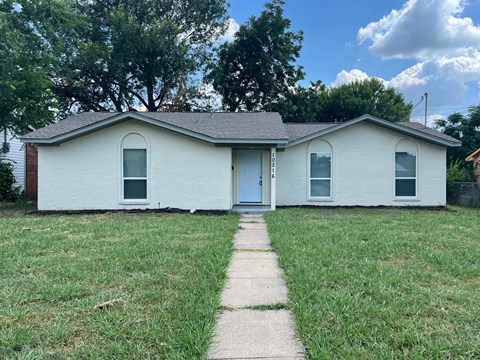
<point>457,171</point>
<point>8,188</point>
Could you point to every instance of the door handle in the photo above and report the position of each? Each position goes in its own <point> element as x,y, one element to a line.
<point>260,183</point>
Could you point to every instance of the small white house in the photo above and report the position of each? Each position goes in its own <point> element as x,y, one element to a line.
<point>222,161</point>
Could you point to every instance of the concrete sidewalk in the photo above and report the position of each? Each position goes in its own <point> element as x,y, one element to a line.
<point>254,279</point>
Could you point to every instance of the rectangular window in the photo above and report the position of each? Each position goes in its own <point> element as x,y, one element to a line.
<point>321,174</point>
<point>406,174</point>
<point>134,174</point>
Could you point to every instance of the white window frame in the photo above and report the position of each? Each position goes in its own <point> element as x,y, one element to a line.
<point>320,198</point>
<point>123,178</point>
<point>395,177</point>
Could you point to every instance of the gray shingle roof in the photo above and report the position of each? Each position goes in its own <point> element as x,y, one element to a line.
<point>427,130</point>
<point>260,125</point>
<point>217,127</point>
<point>74,122</point>
<point>297,131</point>
<point>238,126</point>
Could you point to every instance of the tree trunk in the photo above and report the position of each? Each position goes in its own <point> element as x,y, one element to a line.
<point>150,100</point>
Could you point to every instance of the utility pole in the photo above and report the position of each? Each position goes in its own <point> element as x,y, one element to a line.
<point>426,107</point>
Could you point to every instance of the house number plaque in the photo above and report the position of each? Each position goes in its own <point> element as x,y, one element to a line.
<point>273,165</point>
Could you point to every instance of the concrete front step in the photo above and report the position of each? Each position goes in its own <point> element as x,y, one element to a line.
<point>251,210</point>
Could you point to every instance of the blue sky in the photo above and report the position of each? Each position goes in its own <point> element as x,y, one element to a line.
<point>414,45</point>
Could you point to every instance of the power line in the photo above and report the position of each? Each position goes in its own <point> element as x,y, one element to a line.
<point>421,100</point>
<point>416,111</point>
<point>424,97</point>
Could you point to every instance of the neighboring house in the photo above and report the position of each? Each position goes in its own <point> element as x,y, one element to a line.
<point>475,157</point>
<point>14,150</point>
<point>24,159</point>
<point>218,161</point>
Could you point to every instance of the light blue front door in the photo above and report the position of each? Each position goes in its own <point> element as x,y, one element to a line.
<point>250,174</point>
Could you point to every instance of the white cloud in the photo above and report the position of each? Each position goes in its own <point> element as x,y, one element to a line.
<point>345,77</point>
<point>422,29</point>
<point>445,44</point>
<point>232,28</point>
<point>445,78</point>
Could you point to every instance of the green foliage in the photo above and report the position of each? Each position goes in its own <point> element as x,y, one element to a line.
<point>369,96</point>
<point>8,189</point>
<point>66,56</point>
<point>457,172</point>
<point>141,53</point>
<point>344,102</point>
<point>303,104</point>
<point>465,128</point>
<point>257,69</point>
<point>25,64</point>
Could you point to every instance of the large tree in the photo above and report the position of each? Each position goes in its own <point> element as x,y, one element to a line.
<point>344,102</point>
<point>139,54</point>
<point>258,68</point>
<point>370,96</point>
<point>31,32</point>
<point>303,104</point>
<point>465,128</point>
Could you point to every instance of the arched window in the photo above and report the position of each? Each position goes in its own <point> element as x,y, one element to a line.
<point>406,169</point>
<point>319,170</point>
<point>134,167</point>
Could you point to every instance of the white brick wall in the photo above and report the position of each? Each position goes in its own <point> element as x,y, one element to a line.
<point>85,173</point>
<point>185,173</point>
<point>363,170</point>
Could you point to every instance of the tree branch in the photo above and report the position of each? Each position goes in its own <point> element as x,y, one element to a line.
<point>138,96</point>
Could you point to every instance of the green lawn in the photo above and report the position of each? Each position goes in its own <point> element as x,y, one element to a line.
<point>166,271</point>
<point>382,283</point>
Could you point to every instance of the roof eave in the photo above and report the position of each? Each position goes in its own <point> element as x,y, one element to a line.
<point>251,141</point>
<point>473,156</point>
<point>132,115</point>
<point>384,123</point>
<point>107,122</point>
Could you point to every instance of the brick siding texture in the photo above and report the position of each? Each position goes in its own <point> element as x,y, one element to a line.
<point>31,171</point>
